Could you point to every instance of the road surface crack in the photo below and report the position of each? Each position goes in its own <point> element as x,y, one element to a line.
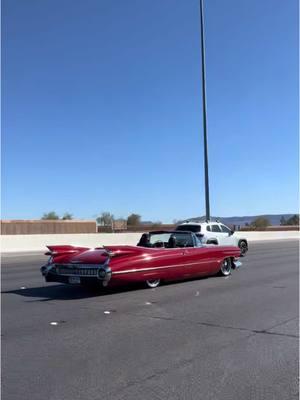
<point>210,324</point>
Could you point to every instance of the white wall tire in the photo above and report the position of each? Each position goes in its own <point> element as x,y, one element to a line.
<point>153,283</point>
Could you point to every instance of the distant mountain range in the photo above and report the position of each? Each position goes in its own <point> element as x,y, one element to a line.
<point>273,218</point>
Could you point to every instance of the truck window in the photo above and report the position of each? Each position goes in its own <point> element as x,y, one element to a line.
<point>189,228</point>
<point>215,228</point>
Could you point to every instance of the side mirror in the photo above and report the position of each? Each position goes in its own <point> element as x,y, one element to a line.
<point>231,232</point>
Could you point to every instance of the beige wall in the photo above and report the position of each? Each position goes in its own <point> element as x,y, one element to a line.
<point>31,227</point>
<point>19,243</point>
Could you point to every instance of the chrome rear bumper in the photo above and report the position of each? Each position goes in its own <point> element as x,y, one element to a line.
<point>91,272</point>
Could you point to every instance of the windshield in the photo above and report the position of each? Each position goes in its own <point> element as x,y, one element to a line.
<point>168,240</point>
<point>159,237</point>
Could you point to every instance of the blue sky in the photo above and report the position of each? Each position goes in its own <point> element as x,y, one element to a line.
<point>101,107</point>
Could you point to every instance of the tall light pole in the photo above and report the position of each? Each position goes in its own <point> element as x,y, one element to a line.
<point>207,206</point>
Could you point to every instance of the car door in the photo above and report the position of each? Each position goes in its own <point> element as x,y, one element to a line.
<point>200,260</point>
<point>183,261</point>
<point>227,239</point>
<point>168,264</point>
<point>217,233</point>
<point>188,257</point>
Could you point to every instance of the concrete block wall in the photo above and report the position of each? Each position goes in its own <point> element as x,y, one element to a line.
<point>20,243</point>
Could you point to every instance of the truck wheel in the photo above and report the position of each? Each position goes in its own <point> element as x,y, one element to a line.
<point>243,247</point>
<point>212,241</point>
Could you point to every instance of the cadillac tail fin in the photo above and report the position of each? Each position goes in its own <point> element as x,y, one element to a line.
<point>64,249</point>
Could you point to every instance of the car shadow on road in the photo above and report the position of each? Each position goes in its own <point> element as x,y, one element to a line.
<point>67,292</point>
<point>76,292</point>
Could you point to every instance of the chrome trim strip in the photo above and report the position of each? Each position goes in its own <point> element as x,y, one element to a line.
<point>155,268</point>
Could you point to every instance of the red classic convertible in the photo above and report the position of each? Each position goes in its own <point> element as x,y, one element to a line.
<point>159,256</point>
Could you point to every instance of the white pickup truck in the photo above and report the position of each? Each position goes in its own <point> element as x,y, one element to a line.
<point>214,232</point>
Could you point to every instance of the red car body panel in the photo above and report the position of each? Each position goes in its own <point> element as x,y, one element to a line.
<point>169,264</point>
<point>130,264</point>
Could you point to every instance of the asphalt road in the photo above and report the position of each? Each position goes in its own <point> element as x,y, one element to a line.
<point>216,338</point>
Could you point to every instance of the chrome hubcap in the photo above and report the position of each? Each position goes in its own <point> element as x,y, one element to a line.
<point>226,267</point>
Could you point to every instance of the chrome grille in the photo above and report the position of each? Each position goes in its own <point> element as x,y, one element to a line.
<point>80,270</point>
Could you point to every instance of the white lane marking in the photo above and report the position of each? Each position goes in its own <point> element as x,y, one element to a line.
<point>197,293</point>
<point>107,312</point>
<point>148,303</point>
<point>23,287</point>
<point>54,323</point>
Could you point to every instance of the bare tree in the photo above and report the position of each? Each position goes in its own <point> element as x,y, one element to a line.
<point>106,218</point>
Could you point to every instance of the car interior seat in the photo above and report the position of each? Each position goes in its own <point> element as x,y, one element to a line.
<point>144,240</point>
<point>171,242</point>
